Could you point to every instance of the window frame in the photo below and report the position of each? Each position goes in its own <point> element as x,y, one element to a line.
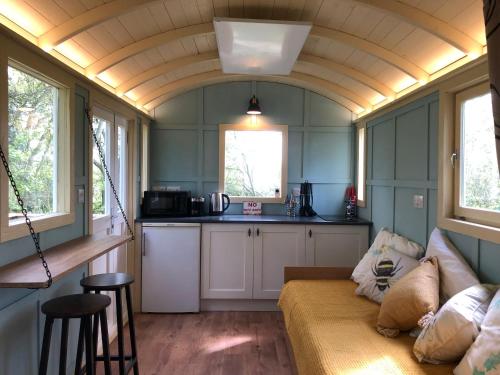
<point>480,216</point>
<point>361,164</point>
<point>284,159</point>
<point>64,151</point>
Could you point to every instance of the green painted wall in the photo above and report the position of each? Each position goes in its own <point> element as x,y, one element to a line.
<point>184,139</point>
<point>402,161</point>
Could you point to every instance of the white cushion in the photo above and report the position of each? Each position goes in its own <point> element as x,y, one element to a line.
<point>454,273</point>
<point>483,357</point>
<point>394,241</point>
<point>399,243</point>
<point>379,269</point>
<point>452,331</point>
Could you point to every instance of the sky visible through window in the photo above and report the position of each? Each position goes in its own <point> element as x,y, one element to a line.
<point>253,163</point>
<point>480,182</point>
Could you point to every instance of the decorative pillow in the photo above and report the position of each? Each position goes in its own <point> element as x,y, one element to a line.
<point>447,336</point>
<point>412,297</point>
<point>483,357</point>
<point>380,269</point>
<point>454,273</point>
<point>395,241</point>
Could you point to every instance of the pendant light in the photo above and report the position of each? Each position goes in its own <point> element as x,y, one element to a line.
<point>254,107</point>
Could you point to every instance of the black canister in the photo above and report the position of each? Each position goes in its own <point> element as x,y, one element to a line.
<point>197,206</point>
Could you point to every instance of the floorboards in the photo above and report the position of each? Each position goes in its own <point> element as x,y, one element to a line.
<point>221,343</point>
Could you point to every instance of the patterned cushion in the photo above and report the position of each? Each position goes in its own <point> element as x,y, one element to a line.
<point>380,269</point>
<point>452,331</point>
<point>483,357</point>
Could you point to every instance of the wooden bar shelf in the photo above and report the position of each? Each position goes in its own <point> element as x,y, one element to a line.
<point>62,259</point>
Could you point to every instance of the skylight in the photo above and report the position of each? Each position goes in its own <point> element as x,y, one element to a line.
<point>259,46</point>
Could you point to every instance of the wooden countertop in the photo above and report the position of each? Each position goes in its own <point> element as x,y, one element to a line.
<point>62,259</point>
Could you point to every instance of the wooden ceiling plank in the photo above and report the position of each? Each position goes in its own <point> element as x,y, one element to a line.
<point>349,72</point>
<point>76,25</point>
<point>427,22</point>
<point>147,43</point>
<point>373,49</point>
<point>164,69</point>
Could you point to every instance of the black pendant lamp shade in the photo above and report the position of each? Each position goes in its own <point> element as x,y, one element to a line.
<point>254,107</point>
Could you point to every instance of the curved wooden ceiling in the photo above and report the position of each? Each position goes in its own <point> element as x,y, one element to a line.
<point>361,53</point>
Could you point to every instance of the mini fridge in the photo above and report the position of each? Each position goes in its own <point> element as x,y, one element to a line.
<point>170,267</point>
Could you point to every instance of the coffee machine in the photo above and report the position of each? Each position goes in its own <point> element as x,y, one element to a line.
<point>306,200</point>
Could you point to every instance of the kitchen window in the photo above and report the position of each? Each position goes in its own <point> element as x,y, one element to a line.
<point>38,145</point>
<point>361,164</point>
<point>477,180</point>
<point>253,162</point>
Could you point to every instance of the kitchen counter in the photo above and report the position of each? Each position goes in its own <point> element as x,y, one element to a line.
<point>258,219</point>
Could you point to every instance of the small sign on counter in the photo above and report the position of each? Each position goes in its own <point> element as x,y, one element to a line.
<point>252,208</point>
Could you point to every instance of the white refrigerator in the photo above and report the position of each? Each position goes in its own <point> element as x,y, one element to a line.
<point>171,267</point>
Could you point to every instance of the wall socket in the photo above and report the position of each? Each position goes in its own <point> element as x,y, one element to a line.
<point>418,201</point>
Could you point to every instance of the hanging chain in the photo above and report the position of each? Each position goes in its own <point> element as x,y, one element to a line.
<point>108,175</point>
<point>20,201</point>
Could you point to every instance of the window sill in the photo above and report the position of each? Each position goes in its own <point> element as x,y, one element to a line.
<point>257,199</point>
<point>483,232</point>
<point>41,224</point>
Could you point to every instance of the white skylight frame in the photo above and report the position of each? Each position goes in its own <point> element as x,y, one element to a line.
<point>259,47</point>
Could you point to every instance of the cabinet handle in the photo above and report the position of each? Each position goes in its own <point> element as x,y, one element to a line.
<point>310,233</point>
<point>258,232</point>
<point>144,244</point>
<point>249,232</point>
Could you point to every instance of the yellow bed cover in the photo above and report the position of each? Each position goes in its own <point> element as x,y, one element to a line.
<point>332,331</point>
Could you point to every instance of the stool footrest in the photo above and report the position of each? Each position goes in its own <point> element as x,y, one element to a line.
<point>115,358</point>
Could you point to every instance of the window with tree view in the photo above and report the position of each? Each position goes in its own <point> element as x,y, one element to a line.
<point>32,143</point>
<point>253,164</point>
<point>478,180</point>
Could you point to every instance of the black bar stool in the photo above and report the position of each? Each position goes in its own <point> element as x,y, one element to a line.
<point>76,306</point>
<point>114,282</point>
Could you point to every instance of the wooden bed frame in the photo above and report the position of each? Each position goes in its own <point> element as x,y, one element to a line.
<point>317,273</point>
<point>312,273</point>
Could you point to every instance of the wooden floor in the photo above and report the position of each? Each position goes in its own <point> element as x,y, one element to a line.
<point>228,343</point>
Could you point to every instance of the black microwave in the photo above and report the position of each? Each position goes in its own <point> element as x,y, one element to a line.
<point>166,203</point>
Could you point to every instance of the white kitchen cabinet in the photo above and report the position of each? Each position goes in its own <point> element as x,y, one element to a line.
<point>275,246</point>
<point>336,245</point>
<point>227,261</point>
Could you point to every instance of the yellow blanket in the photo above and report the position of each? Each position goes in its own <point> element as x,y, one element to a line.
<point>332,331</point>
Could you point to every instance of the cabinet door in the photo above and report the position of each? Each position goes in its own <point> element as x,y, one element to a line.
<point>276,246</point>
<point>336,245</point>
<point>227,261</point>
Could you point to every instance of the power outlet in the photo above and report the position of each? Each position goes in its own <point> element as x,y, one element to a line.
<point>418,201</point>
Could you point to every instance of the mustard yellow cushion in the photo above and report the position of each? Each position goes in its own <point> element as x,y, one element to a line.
<point>412,297</point>
<point>332,331</point>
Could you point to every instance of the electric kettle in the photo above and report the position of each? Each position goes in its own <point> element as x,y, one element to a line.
<point>218,203</point>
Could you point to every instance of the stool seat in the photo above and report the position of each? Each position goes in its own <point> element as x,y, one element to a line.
<point>107,281</point>
<point>75,305</point>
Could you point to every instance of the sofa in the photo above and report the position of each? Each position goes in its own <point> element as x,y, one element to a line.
<point>331,330</point>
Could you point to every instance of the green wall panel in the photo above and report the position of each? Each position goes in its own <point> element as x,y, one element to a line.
<point>489,261</point>
<point>324,112</point>
<point>411,145</point>
<point>383,151</point>
<point>180,110</point>
<point>187,155</point>
<point>325,159</point>
<point>225,103</point>
<point>433,139</point>
<point>382,208</point>
<point>281,104</point>
<point>409,221</point>
<point>175,154</point>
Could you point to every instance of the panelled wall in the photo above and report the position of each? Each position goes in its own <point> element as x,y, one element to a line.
<point>21,322</point>
<point>184,139</point>
<point>402,161</point>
